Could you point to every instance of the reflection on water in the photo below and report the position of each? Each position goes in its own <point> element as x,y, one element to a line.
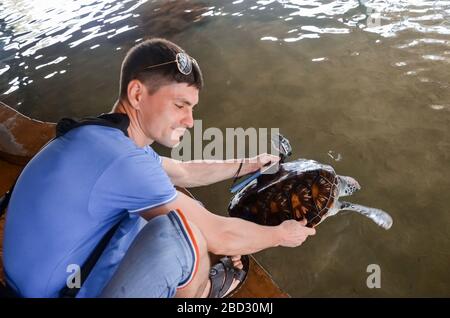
<point>52,41</point>
<point>360,85</point>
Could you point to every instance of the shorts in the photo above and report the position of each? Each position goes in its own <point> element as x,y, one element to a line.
<point>163,257</point>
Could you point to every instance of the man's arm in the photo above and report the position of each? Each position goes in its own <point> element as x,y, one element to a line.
<point>203,172</point>
<point>234,236</point>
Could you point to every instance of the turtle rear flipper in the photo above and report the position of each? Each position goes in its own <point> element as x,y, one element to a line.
<point>380,217</point>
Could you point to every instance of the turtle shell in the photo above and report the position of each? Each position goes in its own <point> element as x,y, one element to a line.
<point>299,189</point>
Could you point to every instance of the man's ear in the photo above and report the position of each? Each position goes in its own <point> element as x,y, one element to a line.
<point>135,90</point>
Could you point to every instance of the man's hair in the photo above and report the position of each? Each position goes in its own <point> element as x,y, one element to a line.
<point>152,52</point>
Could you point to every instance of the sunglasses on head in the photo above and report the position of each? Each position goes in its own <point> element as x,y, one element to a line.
<point>184,63</point>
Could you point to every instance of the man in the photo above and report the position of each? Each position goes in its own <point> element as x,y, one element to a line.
<point>95,176</point>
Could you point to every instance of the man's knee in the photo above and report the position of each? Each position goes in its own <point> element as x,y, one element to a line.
<point>200,239</point>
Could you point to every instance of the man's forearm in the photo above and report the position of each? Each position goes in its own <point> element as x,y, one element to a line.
<point>203,172</point>
<point>224,235</point>
<point>242,237</point>
<point>200,173</point>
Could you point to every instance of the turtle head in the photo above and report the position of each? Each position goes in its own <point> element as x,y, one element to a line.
<point>347,186</point>
<point>282,146</point>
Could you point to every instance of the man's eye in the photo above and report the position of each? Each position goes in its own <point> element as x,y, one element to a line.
<point>179,106</point>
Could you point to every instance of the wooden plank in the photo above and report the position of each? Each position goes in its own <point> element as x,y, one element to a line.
<point>259,284</point>
<point>21,137</point>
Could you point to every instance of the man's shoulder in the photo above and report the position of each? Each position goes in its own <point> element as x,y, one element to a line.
<point>98,132</point>
<point>101,139</point>
<point>104,148</point>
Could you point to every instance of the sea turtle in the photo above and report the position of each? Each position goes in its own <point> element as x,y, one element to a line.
<point>300,189</point>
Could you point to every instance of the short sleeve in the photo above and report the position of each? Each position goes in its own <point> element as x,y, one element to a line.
<point>133,182</point>
<point>153,154</point>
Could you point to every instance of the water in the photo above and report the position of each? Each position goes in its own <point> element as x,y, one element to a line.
<point>360,85</point>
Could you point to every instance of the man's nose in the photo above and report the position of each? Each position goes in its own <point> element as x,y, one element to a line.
<point>188,120</point>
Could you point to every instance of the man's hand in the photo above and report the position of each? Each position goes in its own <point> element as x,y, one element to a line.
<point>293,233</point>
<point>256,163</point>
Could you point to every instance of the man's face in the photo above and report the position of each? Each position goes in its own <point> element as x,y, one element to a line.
<point>165,115</point>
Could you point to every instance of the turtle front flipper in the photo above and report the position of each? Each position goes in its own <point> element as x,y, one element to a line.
<point>380,217</point>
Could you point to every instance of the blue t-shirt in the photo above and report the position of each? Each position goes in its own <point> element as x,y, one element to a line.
<point>68,197</point>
